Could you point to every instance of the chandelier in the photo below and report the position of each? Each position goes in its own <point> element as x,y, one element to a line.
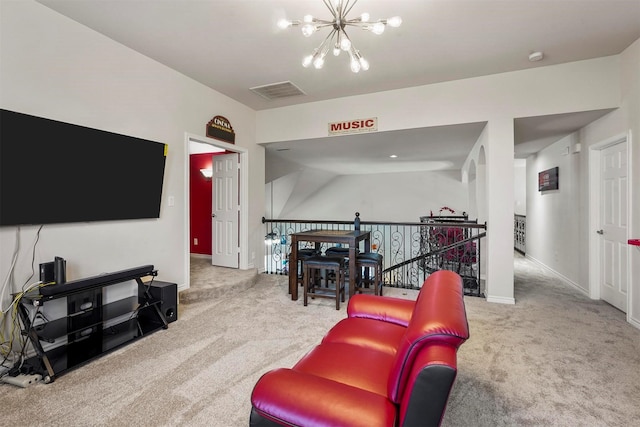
<point>338,40</point>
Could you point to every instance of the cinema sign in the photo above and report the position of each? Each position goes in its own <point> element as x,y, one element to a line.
<point>354,126</point>
<point>220,128</point>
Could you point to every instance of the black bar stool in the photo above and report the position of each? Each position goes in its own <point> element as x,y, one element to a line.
<point>312,278</point>
<point>373,261</point>
<point>343,252</point>
<point>303,254</point>
<point>339,251</point>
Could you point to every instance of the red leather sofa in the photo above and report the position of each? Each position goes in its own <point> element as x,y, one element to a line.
<point>391,362</point>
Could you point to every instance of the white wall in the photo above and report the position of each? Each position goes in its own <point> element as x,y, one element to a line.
<point>397,197</point>
<point>577,86</point>
<point>624,121</point>
<point>553,217</point>
<point>520,187</point>
<point>292,191</point>
<point>496,99</point>
<point>56,68</point>
<point>630,70</point>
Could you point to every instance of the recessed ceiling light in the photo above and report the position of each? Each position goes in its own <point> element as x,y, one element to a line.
<point>393,156</point>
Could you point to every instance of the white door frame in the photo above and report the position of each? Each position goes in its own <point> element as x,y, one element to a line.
<point>244,199</point>
<point>594,211</point>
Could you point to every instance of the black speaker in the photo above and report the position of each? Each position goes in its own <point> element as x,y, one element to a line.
<point>167,293</point>
<point>46,272</point>
<point>60,270</point>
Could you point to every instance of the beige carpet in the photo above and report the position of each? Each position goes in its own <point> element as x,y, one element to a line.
<point>555,358</point>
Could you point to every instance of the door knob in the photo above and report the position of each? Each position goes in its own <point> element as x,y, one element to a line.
<point>213,215</point>
<point>600,231</point>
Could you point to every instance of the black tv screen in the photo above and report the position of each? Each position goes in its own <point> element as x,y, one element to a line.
<point>55,172</point>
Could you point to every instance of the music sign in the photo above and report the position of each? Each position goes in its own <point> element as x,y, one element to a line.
<point>354,126</point>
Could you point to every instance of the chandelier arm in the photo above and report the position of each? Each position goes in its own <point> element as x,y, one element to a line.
<point>322,21</point>
<point>357,24</point>
<point>324,43</point>
<point>319,26</point>
<point>333,11</point>
<point>348,7</point>
<point>348,38</point>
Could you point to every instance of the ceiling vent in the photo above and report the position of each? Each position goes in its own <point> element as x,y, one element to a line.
<point>277,90</point>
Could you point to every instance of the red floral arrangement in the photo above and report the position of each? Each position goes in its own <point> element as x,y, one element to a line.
<point>444,208</point>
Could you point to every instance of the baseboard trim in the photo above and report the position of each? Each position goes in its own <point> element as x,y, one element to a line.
<point>633,322</point>
<point>559,276</point>
<point>501,300</point>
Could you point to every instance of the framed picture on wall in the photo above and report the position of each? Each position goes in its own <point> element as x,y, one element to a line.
<point>548,179</point>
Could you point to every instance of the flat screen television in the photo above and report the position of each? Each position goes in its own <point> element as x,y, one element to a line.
<point>54,172</point>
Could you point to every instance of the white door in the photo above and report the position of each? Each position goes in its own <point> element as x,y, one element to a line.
<point>225,211</point>
<point>613,226</point>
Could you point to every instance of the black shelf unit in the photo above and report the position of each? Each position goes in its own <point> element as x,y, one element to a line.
<point>90,328</point>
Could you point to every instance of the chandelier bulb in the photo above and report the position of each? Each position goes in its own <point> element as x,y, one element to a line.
<point>355,65</point>
<point>377,28</point>
<point>364,17</point>
<point>284,23</point>
<point>336,50</point>
<point>318,62</point>
<point>308,29</point>
<point>395,22</point>
<point>307,61</point>
<point>345,43</point>
<point>308,19</point>
<point>364,64</point>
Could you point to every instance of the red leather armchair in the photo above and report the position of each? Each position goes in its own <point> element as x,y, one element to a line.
<point>391,362</point>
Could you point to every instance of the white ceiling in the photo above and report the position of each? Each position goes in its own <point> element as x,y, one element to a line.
<point>233,45</point>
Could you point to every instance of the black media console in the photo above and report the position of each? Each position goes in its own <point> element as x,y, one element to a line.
<point>93,324</point>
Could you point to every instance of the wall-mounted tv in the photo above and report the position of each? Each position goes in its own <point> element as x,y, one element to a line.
<point>54,172</point>
<point>548,180</point>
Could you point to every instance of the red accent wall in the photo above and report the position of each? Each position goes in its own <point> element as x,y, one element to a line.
<point>200,201</point>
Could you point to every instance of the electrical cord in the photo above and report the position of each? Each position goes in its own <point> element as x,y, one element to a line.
<point>13,328</point>
<point>25,342</point>
<point>33,256</point>
<point>7,354</point>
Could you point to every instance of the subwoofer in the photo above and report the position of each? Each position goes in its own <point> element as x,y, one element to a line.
<point>167,294</point>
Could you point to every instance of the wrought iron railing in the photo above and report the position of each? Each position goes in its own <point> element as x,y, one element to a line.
<point>411,251</point>
<point>520,233</point>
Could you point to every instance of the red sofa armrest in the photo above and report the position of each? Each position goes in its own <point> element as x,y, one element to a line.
<point>429,385</point>
<point>387,309</point>
<point>287,397</point>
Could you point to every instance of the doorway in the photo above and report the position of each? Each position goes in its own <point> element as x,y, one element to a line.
<point>608,221</point>
<point>243,187</point>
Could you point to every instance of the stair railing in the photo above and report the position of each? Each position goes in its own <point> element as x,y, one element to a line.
<point>411,250</point>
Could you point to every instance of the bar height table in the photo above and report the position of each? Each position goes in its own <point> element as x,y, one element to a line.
<point>346,237</point>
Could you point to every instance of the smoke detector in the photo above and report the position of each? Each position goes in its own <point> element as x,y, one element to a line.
<point>536,56</point>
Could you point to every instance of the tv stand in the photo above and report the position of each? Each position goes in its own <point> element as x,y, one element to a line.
<point>93,324</point>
